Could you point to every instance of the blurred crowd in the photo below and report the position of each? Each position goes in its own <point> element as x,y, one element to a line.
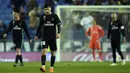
<point>98,2</point>
<point>31,10</point>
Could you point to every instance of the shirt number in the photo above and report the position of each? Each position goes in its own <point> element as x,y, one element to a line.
<point>43,42</point>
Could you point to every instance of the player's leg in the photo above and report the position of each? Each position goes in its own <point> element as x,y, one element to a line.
<point>100,55</point>
<point>92,46</point>
<point>98,46</point>
<point>18,44</point>
<point>44,46</point>
<point>94,55</point>
<point>120,53</point>
<point>16,59</point>
<point>53,57</point>
<point>53,49</point>
<point>43,57</point>
<point>17,56</point>
<point>113,45</point>
<point>19,52</point>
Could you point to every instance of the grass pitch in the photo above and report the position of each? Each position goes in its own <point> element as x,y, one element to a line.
<point>66,67</point>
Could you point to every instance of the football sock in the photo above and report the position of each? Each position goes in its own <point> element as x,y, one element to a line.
<point>52,60</point>
<point>43,59</point>
<point>93,52</point>
<point>21,59</point>
<point>16,59</point>
<point>100,55</point>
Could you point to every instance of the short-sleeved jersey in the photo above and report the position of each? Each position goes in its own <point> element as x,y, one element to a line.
<point>48,26</point>
<point>17,27</point>
<point>95,32</point>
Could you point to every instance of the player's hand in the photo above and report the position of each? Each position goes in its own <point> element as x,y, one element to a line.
<point>58,36</point>
<point>36,38</point>
<point>5,35</point>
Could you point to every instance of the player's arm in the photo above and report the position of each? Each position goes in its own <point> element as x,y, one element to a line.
<point>87,32</point>
<point>58,23</point>
<point>59,28</point>
<point>8,29</point>
<point>38,28</point>
<point>101,31</point>
<point>109,31</point>
<point>122,28</point>
<point>26,30</point>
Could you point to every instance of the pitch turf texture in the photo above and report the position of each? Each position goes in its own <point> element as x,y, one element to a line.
<point>67,67</point>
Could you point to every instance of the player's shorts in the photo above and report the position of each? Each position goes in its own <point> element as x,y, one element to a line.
<point>49,43</point>
<point>17,43</point>
<point>95,44</point>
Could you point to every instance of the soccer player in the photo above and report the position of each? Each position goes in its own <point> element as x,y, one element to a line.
<point>115,30</point>
<point>95,32</point>
<point>17,26</point>
<point>48,23</point>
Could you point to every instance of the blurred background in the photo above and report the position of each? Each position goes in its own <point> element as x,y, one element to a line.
<point>73,45</point>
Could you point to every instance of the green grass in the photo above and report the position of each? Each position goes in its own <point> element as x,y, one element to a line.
<point>67,67</point>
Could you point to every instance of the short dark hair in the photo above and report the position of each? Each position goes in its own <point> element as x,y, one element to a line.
<point>46,6</point>
<point>17,13</point>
